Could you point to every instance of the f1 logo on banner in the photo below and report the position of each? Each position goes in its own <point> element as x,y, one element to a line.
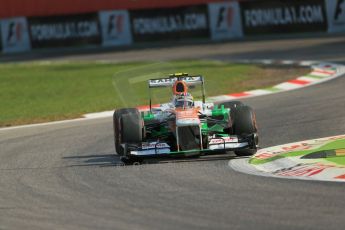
<point>225,20</point>
<point>14,32</point>
<point>14,35</point>
<point>115,25</point>
<point>115,28</point>
<point>336,15</point>
<point>339,15</point>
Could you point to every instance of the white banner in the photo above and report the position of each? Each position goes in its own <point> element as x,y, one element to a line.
<point>336,15</point>
<point>14,35</point>
<point>225,20</point>
<point>115,28</point>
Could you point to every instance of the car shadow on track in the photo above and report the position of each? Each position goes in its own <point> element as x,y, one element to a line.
<point>112,160</point>
<point>101,160</point>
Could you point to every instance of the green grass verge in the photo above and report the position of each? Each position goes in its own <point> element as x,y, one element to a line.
<point>39,92</point>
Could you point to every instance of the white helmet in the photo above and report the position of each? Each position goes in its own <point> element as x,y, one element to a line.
<point>183,100</point>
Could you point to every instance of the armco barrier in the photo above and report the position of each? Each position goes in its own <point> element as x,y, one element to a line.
<point>223,20</point>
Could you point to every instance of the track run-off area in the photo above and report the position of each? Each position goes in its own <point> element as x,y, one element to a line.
<point>66,175</point>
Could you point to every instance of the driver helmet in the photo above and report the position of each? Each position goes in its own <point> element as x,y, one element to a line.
<point>184,100</point>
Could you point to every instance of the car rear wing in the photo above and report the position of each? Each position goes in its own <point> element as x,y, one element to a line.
<point>169,82</point>
<point>166,82</point>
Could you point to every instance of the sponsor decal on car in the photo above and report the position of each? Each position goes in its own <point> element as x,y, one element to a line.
<point>187,117</point>
<point>170,81</point>
<point>152,148</point>
<point>220,140</point>
<point>154,145</point>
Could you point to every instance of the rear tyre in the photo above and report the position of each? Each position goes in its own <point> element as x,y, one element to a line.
<point>128,128</point>
<point>245,126</point>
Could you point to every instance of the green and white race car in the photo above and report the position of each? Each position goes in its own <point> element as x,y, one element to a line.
<point>184,127</point>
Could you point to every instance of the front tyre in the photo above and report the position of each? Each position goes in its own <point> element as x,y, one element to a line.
<point>128,128</point>
<point>232,105</point>
<point>245,127</point>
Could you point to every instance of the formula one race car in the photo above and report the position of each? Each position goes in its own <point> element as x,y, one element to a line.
<point>184,127</point>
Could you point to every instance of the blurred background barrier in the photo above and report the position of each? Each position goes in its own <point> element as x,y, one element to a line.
<point>336,15</point>
<point>281,17</point>
<point>170,24</point>
<point>64,31</point>
<point>116,28</point>
<point>36,24</point>
<point>15,35</point>
<point>32,8</point>
<point>225,20</point>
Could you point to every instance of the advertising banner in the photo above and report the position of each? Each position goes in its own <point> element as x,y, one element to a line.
<point>31,8</point>
<point>14,35</point>
<point>115,27</point>
<point>225,20</point>
<point>0,39</point>
<point>170,24</point>
<point>281,16</point>
<point>336,15</point>
<point>67,30</point>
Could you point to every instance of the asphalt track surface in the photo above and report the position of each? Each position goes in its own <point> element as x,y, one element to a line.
<point>65,176</point>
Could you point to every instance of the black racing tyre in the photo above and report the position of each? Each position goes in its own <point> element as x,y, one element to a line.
<point>132,128</point>
<point>232,105</point>
<point>245,152</point>
<point>245,125</point>
<point>127,128</point>
<point>245,121</point>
